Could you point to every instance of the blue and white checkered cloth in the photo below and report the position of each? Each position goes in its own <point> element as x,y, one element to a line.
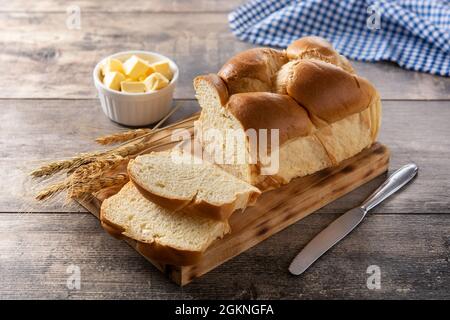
<point>413,33</point>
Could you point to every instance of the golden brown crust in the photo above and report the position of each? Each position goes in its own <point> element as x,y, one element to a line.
<point>215,81</point>
<point>153,250</point>
<point>168,255</point>
<point>168,203</point>
<point>252,70</point>
<point>328,92</point>
<point>318,48</point>
<point>112,228</point>
<point>264,110</point>
<point>193,206</point>
<point>302,45</point>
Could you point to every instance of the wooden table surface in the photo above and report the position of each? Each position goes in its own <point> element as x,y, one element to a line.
<point>49,109</point>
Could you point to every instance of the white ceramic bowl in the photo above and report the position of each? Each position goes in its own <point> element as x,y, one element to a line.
<point>136,109</point>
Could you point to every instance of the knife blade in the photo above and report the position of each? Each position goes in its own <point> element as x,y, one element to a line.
<point>343,225</point>
<point>337,230</point>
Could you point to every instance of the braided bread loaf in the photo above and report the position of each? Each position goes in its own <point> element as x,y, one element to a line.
<point>325,113</point>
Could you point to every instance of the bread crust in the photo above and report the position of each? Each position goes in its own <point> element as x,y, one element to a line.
<point>153,250</point>
<point>321,82</point>
<point>328,92</point>
<point>192,206</point>
<point>264,110</point>
<point>252,70</point>
<point>319,48</point>
<point>216,82</point>
<point>302,45</point>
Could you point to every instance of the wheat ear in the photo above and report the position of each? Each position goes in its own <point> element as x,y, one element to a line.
<point>52,190</point>
<point>78,190</point>
<point>122,136</point>
<point>96,167</point>
<point>57,166</point>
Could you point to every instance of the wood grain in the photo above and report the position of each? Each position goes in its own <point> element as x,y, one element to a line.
<point>33,131</point>
<point>411,250</point>
<point>123,6</point>
<point>55,62</point>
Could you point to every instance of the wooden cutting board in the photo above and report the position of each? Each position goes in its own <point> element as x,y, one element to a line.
<point>274,210</point>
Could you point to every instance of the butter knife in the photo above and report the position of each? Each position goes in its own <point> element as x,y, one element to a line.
<point>343,225</point>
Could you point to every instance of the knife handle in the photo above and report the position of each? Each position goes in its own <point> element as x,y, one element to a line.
<point>395,181</point>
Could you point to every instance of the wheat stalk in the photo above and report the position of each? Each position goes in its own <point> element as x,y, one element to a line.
<point>122,136</point>
<point>128,148</point>
<point>71,164</point>
<point>52,190</point>
<point>146,136</point>
<point>131,149</point>
<point>89,178</point>
<point>90,172</point>
<point>57,166</point>
<point>145,151</point>
<point>132,134</point>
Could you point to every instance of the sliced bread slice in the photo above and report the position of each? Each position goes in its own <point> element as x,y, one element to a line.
<point>163,235</point>
<point>185,184</point>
